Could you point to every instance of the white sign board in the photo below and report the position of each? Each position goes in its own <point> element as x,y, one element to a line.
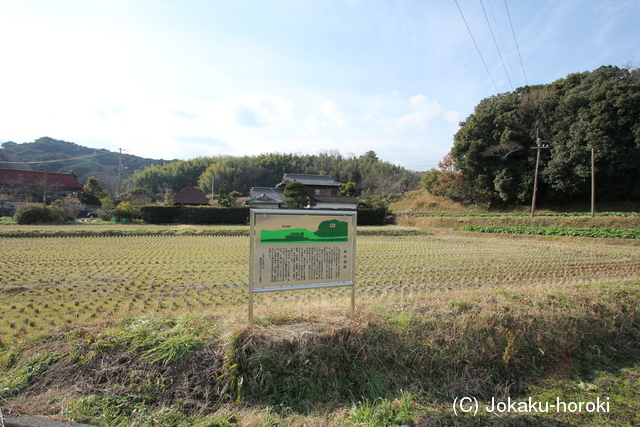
<point>298,249</point>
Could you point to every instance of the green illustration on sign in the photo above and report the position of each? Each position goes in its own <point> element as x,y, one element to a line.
<point>328,231</point>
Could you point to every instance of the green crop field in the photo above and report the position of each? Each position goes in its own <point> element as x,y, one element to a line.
<point>56,284</point>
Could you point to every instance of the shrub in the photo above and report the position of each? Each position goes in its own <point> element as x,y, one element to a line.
<point>69,206</point>
<point>7,220</point>
<point>108,207</point>
<point>125,210</point>
<point>431,180</point>
<point>37,214</point>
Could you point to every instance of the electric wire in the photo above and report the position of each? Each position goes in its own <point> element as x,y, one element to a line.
<point>477,48</point>
<point>504,47</point>
<point>495,42</point>
<point>516,41</point>
<point>59,160</point>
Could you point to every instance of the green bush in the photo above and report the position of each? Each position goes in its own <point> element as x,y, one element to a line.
<point>125,210</point>
<point>106,212</point>
<point>7,220</point>
<point>37,214</point>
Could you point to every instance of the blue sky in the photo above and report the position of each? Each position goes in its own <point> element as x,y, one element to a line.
<point>189,78</point>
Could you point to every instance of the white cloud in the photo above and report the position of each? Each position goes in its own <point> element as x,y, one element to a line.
<point>314,125</point>
<point>252,110</point>
<point>399,115</point>
<point>334,111</point>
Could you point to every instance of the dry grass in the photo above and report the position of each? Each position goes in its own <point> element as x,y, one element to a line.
<point>420,201</point>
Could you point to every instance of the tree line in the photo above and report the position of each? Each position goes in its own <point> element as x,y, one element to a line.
<point>492,160</point>
<point>240,173</point>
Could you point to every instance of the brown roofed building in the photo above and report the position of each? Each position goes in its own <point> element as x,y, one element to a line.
<point>19,186</point>
<point>15,178</point>
<point>190,196</point>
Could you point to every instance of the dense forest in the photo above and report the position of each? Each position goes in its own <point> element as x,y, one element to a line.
<point>266,170</point>
<point>597,112</point>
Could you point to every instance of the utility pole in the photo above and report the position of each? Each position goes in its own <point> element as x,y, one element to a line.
<point>120,166</point>
<point>120,169</point>
<point>44,190</point>
<point>213,178</point>
<point>539,146</point>
<point>593,181</point>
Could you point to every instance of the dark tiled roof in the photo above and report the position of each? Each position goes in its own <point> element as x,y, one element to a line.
<point>335,199</point>
<point>319,180</point>
<point>265,195</point>
<point>62,181</point>
<point>190,196</point>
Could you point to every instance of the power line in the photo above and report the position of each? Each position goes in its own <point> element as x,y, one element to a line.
<point>477,48</point>
<point>496,43</point>
<point>504,47</point>
<point>516,40</point>
<point>58,160</point>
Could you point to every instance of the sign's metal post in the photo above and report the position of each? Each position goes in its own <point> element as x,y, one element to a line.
<point>301,249</point>
<point>250,306</point>
<point>353,269</point>
<point>353,301</point>
<point>251,257</point>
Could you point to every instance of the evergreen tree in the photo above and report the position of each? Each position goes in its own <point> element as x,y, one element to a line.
<point>348,189</point>
<point>168,197</point>
<point>296,196</point>
<point>598,109</point>
<point>223,195</point>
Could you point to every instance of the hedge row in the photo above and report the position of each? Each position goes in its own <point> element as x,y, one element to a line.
<point>156,214</point>
<point>371,216</point>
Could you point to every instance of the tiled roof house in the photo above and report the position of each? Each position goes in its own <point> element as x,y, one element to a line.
<point>323,193</point>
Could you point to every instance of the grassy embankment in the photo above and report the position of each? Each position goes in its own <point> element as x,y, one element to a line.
<point>424,210</point>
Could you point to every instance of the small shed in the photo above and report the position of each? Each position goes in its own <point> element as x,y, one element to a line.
<point>190,196</point>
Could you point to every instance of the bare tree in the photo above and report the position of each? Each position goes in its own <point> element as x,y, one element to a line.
<point>70,206</point>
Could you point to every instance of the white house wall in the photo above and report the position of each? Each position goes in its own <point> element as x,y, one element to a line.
<point>334,206</point>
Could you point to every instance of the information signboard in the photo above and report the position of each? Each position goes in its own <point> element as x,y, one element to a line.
<point>299,249</point>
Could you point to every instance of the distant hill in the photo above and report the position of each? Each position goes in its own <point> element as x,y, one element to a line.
<point>84,161</point>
